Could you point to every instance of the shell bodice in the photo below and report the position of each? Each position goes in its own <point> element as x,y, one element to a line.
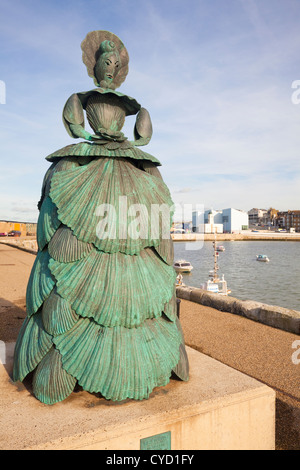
<point>105,112</point>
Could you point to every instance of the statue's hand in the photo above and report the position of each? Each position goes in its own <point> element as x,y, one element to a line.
<point>143,128</point>
<point>87,136</point>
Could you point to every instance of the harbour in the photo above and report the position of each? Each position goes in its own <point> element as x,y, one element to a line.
<point>275,283</point>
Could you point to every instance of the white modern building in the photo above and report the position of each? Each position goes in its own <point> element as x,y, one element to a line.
<point>235,220</point>
<point>221,221</point>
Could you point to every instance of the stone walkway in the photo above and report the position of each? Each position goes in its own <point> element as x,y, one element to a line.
<point>257,350</point>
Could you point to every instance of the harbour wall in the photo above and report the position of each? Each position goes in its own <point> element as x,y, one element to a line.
<point>276,317</point>
<point>28,244</point>
<point>246,236</point>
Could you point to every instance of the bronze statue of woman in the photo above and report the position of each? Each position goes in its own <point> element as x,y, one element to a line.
<point>101,300</point>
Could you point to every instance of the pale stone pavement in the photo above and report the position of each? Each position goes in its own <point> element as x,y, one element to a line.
<point>257,350</point>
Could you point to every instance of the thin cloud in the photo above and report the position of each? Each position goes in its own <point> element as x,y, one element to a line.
<point>183,190</point>
<point>217,84</point>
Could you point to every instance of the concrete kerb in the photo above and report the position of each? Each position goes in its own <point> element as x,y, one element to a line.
<point>277,317</point>
<point>26,245</point>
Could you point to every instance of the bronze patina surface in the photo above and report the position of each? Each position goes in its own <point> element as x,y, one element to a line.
<point>101,302</point>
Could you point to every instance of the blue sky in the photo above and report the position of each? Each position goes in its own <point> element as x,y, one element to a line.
<point>215,75</point>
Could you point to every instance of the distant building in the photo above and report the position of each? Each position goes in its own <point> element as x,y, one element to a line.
<point>234,220</point>
<point>181,227</point>
<point>262,216</point>
<point>198,221</point>
<point>31,228</point>
<point>213,222</point>
<point>272,215</point>
<point>226,220</point>
<point>188,226</point>
<point>280,221</point>
<point>288,220</point>
<point>257,216</point>
<point>292,219</point>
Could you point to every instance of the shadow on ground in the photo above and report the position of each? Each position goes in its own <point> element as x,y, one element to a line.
<point>11,318</point>
<point>287,425</point>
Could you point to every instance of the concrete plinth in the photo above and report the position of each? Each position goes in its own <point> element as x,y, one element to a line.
<point>219,408</point>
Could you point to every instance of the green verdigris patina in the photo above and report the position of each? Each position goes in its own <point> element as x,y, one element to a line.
<point>101,301</point>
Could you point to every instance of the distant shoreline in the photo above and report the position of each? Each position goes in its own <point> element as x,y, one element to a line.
<point>262,236</point>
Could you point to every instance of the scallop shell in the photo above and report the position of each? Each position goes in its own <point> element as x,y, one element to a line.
<point>66,248</point>
<point>165,249</point>
<point>40,283</point>
<point>32,344</point>
<point>105,111</point>
<point>182,367</point>
<point>57,314</point>
<point>48,223</point>
<point>119,362</point>
<point>51,383</point>
<point>170,309</point>
<point>96,202</point>
<point>116,289</point>
<point>46,184</point>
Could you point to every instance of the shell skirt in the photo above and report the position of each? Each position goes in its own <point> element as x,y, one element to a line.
<point>101,300</point>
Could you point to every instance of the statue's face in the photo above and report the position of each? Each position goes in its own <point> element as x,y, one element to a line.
<point>107,67</point>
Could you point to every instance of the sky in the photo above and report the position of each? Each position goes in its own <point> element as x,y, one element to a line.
<point>220,79</point>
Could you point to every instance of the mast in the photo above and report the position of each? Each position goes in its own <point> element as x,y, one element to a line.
<point>216,267</point>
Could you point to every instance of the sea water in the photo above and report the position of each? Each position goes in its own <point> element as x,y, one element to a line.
<point>275,283</point>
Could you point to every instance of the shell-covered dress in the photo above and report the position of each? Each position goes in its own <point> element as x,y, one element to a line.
<point>101,301</point>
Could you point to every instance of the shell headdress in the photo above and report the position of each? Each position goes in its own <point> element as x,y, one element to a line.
<point>90,49</point>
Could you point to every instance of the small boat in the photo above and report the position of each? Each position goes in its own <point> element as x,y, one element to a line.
<point>220,248</point>
<point>214,284</point>
<point>182,266</point>
<point>262,258</point>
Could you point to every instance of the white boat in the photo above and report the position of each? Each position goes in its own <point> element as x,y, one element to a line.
<point>220,248</point>
<point>214,284</point>
<point>182,266</point>
<point>262,258</point>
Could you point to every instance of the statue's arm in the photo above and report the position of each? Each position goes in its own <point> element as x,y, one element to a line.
<point>73,118</point>
<point>143,128</point>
